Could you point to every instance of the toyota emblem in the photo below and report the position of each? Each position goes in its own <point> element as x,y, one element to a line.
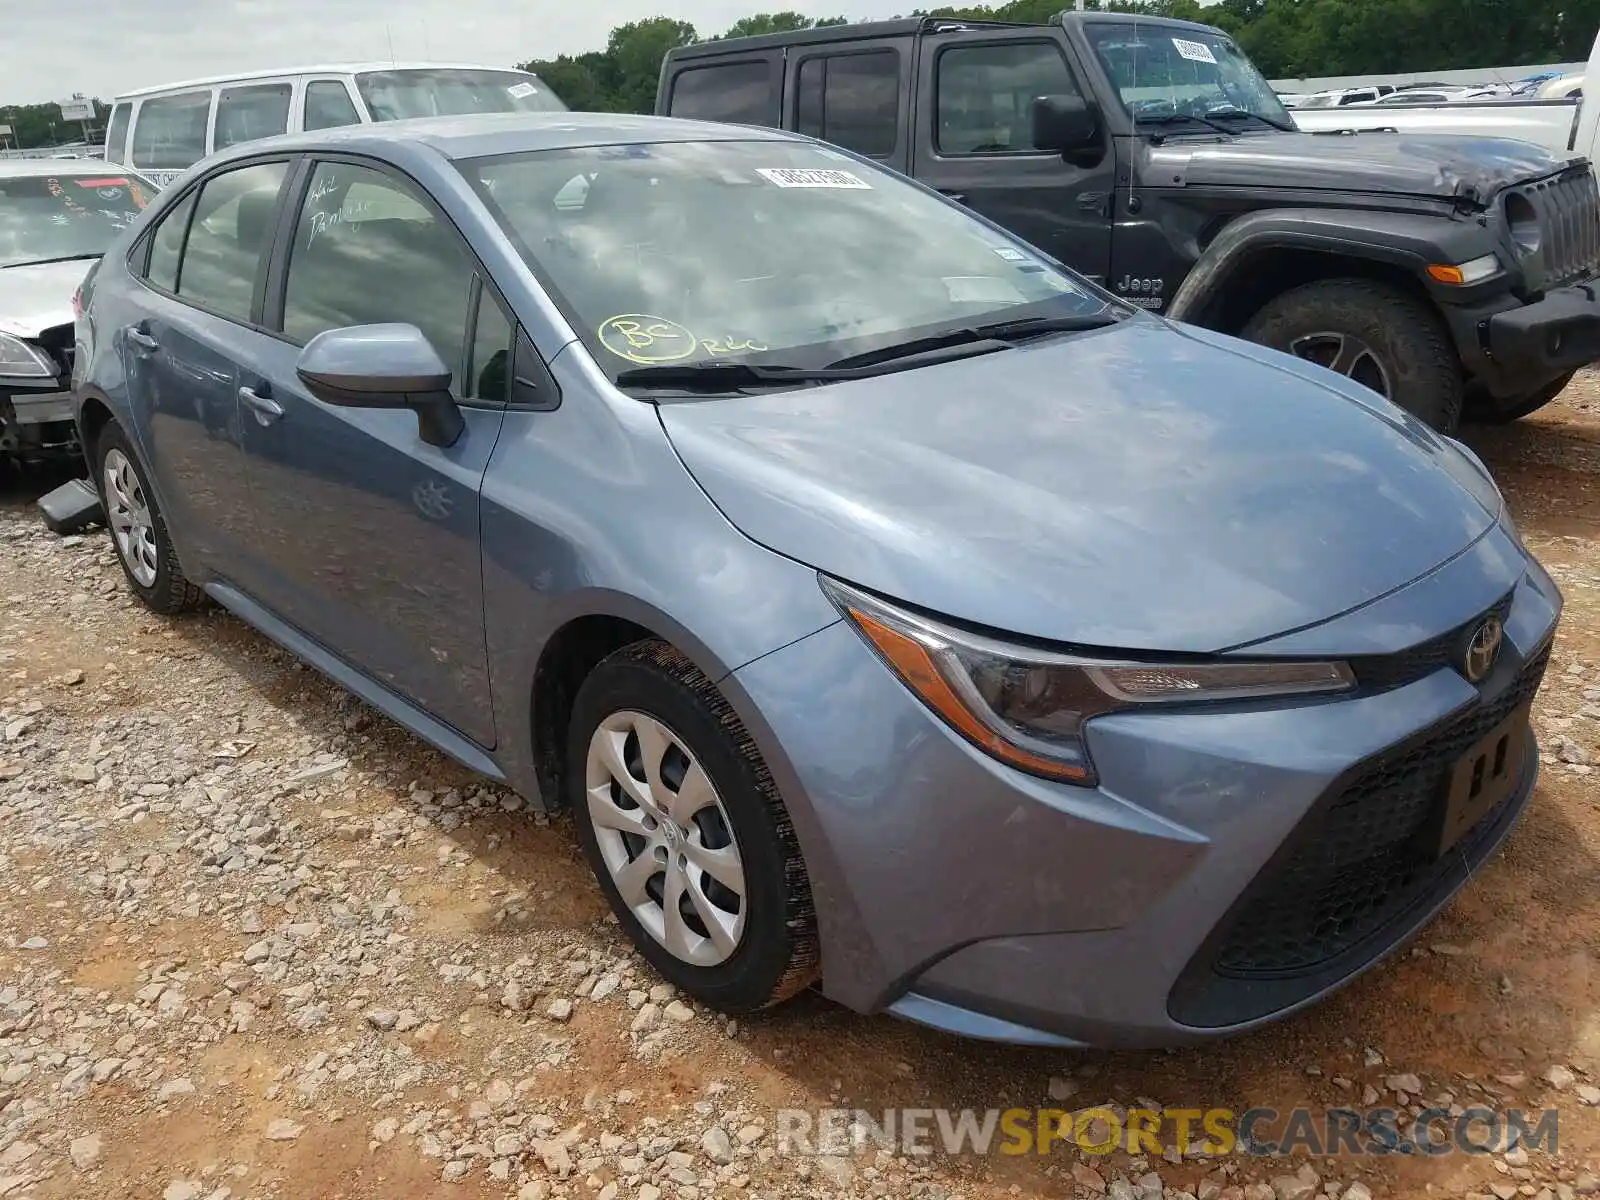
<point>1482,650</point>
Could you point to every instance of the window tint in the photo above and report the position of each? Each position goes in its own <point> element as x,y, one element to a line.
<point>247,113</point>
<point>489,368</point>
<point>738,92</point>
<point>985,94</point>
<point>170,132</point>
<point>328,105</point>
<point>231,230</point>
<point>366,250</point>
<point>166,245</point>
<point>117,134</point>
<point>852,100</point>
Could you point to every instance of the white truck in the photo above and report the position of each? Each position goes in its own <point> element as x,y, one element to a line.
<point>1563,123</point>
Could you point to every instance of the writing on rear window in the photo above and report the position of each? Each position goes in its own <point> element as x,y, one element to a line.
<point>812,177</point>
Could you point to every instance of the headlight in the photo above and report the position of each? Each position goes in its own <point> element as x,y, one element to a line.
<point>1522,222</point>
<point>1465,274</point>
<point>18,360</point>
<point>1028,707</point>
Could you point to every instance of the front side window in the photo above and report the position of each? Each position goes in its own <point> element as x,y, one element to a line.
<point>758,250</point>
<point>852,100</point>
<point>170,131</point>
<point>366,251</point>
<point>739,93</point>
<point>1188,77</point>
<point>230,232</point>
<point>247,114</point>
<point>66,214</point>
<point>453,92</point>
<point>117,133</point>
<point>328,105</point>
<point>986,95</point>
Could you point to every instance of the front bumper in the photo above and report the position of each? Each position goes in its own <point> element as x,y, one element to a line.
<point>956,892</point>
<point>1549,337</point>
<point>37,423</point>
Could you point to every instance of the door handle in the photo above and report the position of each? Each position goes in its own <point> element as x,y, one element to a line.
<point>143,341</point>
<point>267,409</point>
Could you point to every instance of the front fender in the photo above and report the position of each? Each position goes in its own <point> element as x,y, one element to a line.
<point>1407,241</point>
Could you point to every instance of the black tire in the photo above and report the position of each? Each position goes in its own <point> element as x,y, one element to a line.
<point>170,592</point>
<point>777,954</point>
<point>1406,338</point>
<point>1489,411</point>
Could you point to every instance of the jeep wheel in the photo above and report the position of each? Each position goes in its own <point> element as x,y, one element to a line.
<point>1489,411</point>
<point>1376,335</point>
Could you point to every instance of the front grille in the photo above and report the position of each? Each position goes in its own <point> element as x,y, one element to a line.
<point>1382,672</point>
<point>1350,872</point>
<point>1568,206</point>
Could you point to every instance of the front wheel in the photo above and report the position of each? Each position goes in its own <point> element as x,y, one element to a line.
<point>1375,334</point>
<point>1490,411</point>
<point>686,832</point>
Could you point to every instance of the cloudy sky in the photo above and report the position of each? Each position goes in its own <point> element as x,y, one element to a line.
<point>102,47</point>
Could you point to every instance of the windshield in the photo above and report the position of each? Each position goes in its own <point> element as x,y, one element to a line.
<point>760,251</point>
<point>453,92</point>
<point>70,214</point>
<point>1319,102</point>
<point>1199,74</point>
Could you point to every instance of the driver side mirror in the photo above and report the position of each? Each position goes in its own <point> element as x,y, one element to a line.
<point>1064,124</point>
<point>383,366</point>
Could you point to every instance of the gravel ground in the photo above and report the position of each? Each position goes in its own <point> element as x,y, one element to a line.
<point>256,941</point>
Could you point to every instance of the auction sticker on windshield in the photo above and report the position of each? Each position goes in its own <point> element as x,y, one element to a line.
<point>520,91</point>
<point>1194,51</point>
<point>813,177</point>
<point>640,338</point>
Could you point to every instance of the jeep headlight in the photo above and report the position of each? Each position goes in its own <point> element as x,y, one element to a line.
<point>1522,222</point>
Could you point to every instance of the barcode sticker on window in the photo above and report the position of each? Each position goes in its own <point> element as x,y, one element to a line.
<point>1194,51</point>
<point>521,91</point>
<point>808,177</point>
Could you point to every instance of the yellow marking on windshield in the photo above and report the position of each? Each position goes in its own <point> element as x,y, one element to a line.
<point>641,338</point>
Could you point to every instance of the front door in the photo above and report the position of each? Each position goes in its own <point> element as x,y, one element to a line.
<point>975,91</point>
<point>368,534</point>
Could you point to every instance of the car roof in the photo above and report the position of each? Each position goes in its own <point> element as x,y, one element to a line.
<point>315,69</point>
<point>483,135</point>
<point>29,168</point>
<point>904,27</point>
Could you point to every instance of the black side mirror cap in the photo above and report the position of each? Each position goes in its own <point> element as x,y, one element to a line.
<point>1064,124</point>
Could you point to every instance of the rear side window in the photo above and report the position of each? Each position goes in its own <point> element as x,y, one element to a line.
<point>367,250</point>
<point>245,114</point>
<point>166,245</point>
<point>328,105</point>
<point>170,131</point>
<point>231,230</point>
<point>739,92</point>
<point>117,134</point>
<point>852,100</point>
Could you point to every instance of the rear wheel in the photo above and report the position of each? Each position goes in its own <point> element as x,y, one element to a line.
<point>685,831</point>
<point>1490,411</point>
<point>138,530</point>
<point>1372,333</point>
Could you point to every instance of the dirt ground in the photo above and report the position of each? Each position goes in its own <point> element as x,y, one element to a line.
<point>257,941</point>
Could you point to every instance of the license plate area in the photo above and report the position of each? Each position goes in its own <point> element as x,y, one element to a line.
<point>1481,778</point>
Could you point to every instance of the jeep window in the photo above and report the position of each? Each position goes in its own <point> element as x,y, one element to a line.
<point>760,251</point>
<point>45,218</point>
<point>453,92</point>
<point>851,100</point>
<point>740,93</point>
<point>986,94</point>
<point>1165,72</point>
<point>170,131</point>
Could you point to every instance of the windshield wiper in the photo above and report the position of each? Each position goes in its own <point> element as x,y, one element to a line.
<point>996,335</point>
<point>1239,114</point>
<point>1174,118</point>
<point>39,262</point>
<point>724,376</point>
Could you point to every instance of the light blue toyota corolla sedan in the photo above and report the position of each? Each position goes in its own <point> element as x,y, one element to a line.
<point>893,609</point>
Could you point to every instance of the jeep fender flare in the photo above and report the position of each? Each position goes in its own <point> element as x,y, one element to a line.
<point>1407,241</point>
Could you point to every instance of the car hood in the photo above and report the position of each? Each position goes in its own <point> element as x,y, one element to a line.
<point>1140,487</point>
<point>1442,165</point>
<point>38,296</point>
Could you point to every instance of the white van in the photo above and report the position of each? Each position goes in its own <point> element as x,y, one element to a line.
<point>164,131</point>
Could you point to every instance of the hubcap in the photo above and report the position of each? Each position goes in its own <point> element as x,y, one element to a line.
<point>1348,356</point>
<point>128,514</point>
<point>665,838</point>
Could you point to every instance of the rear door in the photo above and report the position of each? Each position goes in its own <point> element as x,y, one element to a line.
<point>973,142</point>
<point>743,89</point>
<point>855,96</point>
<point>367,535</point>
<point>202,269</point>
